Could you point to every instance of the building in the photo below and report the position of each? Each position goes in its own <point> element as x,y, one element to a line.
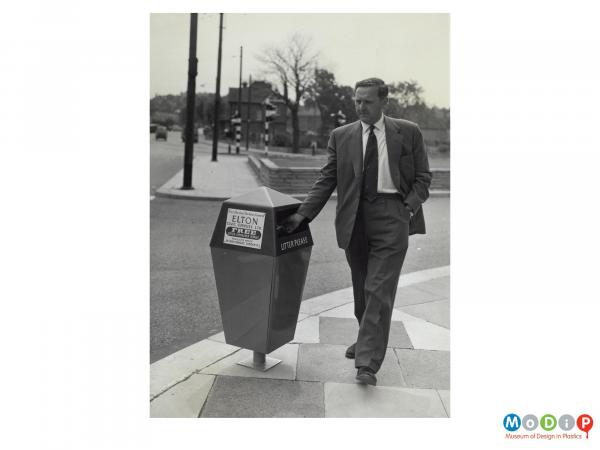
<point>253,111</point>
<point>253,115</point>
<point>309,118</point>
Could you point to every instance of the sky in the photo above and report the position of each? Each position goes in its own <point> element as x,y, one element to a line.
<point>394,47</point>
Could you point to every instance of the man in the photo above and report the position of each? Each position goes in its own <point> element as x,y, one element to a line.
<point>381,171</point>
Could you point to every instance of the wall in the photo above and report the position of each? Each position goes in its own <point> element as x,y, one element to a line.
<point>284,179</point>
<point>299,180</point>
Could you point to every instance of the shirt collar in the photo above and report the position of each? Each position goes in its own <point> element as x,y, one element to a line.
<point>378,125</point>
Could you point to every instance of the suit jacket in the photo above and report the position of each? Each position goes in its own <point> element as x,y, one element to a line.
<point>409,168</point>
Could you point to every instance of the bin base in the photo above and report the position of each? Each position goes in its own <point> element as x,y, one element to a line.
<point>260,361</point>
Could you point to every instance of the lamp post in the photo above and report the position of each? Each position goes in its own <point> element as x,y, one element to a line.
<point>217,93</point>
<point>248,111</point>
<point>237,146</point>
<point>188,155</point>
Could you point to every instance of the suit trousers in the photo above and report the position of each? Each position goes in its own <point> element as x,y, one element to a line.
<point>376,253</point>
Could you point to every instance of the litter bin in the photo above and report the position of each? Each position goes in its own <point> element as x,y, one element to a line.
<point>260,272</point>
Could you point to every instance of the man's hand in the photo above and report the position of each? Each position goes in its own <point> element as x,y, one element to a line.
<point>292,222</point>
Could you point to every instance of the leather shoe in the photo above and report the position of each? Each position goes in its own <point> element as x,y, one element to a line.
<point>350,351</point>
<point>366,376</point>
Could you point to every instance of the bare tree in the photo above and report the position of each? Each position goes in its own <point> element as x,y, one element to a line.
<point>292,70</point>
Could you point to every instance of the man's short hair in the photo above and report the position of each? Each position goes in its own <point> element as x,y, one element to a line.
<point>382,91</point>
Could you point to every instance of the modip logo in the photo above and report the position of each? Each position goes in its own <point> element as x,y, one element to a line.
<point>585,423</point>
<point>548,423</point>
<point>512,422</point>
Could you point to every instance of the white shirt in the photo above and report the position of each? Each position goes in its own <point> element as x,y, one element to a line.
<point>384,178</point>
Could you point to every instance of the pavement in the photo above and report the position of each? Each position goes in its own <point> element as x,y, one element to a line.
<point>313,379</point>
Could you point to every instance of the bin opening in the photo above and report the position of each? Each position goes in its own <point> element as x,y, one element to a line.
<point>283,214</point>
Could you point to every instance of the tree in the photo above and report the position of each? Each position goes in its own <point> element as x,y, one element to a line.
<point>205,103</point>
<point>166,103</point>
<point>407,93</point>
<point>405,101</point>
<point>330,98</point>
<point>291,68</point>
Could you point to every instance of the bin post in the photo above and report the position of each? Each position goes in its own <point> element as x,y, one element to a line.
<point>260,361</point>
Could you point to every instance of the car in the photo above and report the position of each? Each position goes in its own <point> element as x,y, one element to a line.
<point>161,133</point>
<point>153,127</point>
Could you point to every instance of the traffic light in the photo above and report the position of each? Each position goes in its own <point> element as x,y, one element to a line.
<point>270,110</point>
<point>236,118</point>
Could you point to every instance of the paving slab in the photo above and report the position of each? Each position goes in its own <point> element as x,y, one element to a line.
<point>333,330</point>
<point>317,305</point>
<point>184,399</point>
<point>425,335</point>
<point>445,396</point>
<point>413,295</point>
<point>423,275</point>
<point>307,331</point>
<point>436,312</point>
<point>325,362</point>
<point>425,368</point>
<point>180,365</point>
<point>439,286</point>
<point>347,312</point>
<point>355,400</point>
<point>254,397</point>
<point>302,316</point>
<point>286,369</point>
<point>219,337</point>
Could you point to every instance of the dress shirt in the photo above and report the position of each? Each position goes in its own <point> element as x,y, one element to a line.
<point>384,178</point>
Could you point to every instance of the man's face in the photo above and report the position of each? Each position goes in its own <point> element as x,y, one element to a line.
<point>368,104</point>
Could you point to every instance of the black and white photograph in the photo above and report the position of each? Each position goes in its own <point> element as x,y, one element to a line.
<point>299,224</point>
<point>299,215</point>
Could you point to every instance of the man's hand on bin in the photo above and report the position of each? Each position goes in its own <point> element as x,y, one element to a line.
<point>292,222</point>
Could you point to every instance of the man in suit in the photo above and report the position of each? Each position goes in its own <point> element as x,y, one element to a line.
<point>381,171</point>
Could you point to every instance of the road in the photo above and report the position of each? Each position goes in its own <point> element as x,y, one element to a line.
<point>166,159</point>
<point>183,299</point>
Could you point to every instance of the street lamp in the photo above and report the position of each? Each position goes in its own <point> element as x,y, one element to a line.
<point>188,156</point>
<point>217,93</point>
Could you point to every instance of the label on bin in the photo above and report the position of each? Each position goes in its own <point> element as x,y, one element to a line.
<point>294,242</point>
<point>244,228</point>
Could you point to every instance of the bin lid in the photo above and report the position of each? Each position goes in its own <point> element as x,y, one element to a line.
<point>249,223</point>
<point>264,197</point>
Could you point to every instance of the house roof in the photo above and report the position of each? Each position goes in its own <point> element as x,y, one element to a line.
<point>259,91</point>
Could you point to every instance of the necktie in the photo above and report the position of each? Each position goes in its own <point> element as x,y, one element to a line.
<point>371,165</point>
